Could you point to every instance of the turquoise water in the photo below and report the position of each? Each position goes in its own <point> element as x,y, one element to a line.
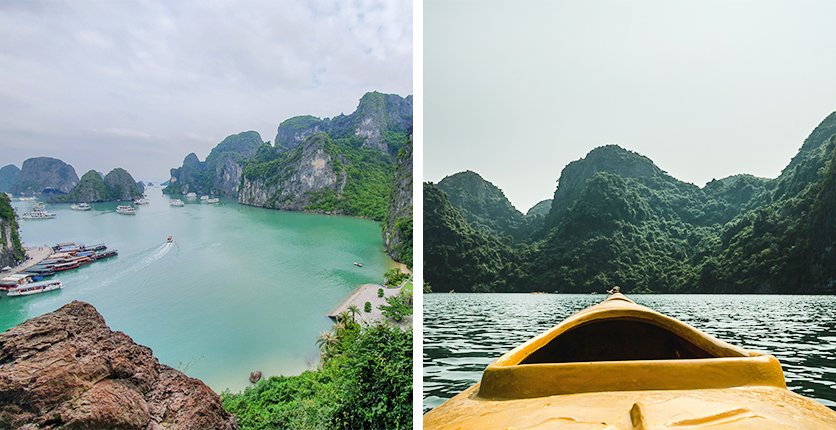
<point>241,288</point>
<point>463,333</point>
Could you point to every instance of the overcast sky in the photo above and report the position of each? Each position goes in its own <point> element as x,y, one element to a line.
<point>140,84</point>
<point>515,90</point>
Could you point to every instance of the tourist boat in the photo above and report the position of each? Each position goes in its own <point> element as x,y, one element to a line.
<point>619,365</point>
<point>191,196</point>
<point>27,199</point>
<point>38,215</point>
<point>204,198</point>
<point>125,210</point>
<point>106,254</point>
<point>39,272</point>
<point>358,264</point>
<point>39,207</point>
<point>213,200</point>
<point>13,281</point>
<point>35,288</point>
<point>81,207</point>
<point>176,202</point>
<point>142,201</point>
<point>60,267</point>
<point>96,247</point>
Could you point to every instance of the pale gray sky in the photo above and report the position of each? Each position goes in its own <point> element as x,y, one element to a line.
<point>515,90</point>
<point>140,84</point>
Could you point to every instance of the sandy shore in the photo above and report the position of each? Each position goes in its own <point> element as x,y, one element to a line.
<point>33,257</point>
<point>368,293</point>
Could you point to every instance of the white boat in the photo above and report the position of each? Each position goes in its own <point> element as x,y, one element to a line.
<point>213,200</point>
<point>176,202</point>
<point>125,210</point>
<point>191,196</point>
<point>81,207</point>
<point>39,207</point>
<point>14,281</point>
<point>204,198</point>
<point>142,201</point>
<point>35,288</point>
<point>38,215</point>
<point>27,199</point>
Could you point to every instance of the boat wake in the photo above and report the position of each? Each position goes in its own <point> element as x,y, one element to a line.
<point>156,254</point>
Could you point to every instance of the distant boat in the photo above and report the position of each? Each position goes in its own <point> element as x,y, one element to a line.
<point>38,215</point>
<point>81,207</point>
<point>213,200</point>
<point>39,207</point>
<point>35,288</point>
<point>203,198</point>
<point>358,264</point>
<point>169,239</point>
<point>27,199</point>
<point>125,210</point>
<point>176,202</point>
<point>191,196</point>
<point>142,201</point>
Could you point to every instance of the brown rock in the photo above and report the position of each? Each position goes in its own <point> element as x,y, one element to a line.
<point>68,370</point>
<point>255,376</point>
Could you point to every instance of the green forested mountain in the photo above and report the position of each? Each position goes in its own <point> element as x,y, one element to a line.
<point>541,208</point>
<point>481,203</point>
<point>117,185</point>
<point>617,219</point>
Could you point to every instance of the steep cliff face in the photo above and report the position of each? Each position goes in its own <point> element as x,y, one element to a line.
<point>381,121</point>
<point>397,229</point>
<point>45,173</point>
<point>220,174</point>
<point>68,370</point>
<point>11,250</point>
<point>296,180</point>
<point>9,177</point>
<point>482,203</point>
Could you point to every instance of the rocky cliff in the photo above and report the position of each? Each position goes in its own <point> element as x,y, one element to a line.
<point>482,203</point>
<point>11,250</point>
<point>397,229</point>
<point>381,121</point>
<point>9,176</point>
<point>68,370</point>
<point>45,174</point>
<point>118,185</point>
<point>295,180</point>
<point>220,174</point>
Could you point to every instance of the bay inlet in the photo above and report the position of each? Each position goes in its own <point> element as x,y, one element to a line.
<point>240,289</point>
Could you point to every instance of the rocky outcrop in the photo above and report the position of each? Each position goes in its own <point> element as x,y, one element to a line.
<point>380,122</point>
<point>542,208</point>
<point>68,370</point>
<point>45,174</point>
<point>11,250</point>
<point>121,185</point>
<point>397,229</point>
<point>9,176</point>
<point>299,180</point>
<point>220,174</point>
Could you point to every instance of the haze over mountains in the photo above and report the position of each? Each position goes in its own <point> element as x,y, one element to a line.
<point>618,219</point>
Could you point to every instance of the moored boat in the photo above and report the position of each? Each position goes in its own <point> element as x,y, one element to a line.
<point>125,210</point>
<point>106,254</point>
<point>142,201</point>
<point>191,195</point>
<point>213,200</point>
<point>39,207</point>
<point>35,288</point>
<point>204,198</point>
<point>176,202</point>
<point>619,365</point>
<point>81,207</point>
<point>38,215</point>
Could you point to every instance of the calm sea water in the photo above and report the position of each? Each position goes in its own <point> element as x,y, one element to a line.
<point>463,333</point>
<point>241,288</point>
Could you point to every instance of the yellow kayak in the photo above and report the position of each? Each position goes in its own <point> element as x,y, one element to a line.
<point>619,365</point>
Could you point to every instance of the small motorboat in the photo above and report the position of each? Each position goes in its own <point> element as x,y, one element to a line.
<point>39,207</point>
<point>358,264</point>
<point>81,207</point>
<point>176,203</point>
<point>213,200</point>
<point>169,239</point>
<point>619,365</point>
<point>204,198</point>
<point>125,210</point>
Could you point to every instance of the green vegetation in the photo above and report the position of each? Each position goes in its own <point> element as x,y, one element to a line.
<point>380,292</point>
<point>397,307</point>
<point>9,226</point>
<point>394,277</point>
<point>117,185</point>
<point>617,219</point>
<point>367,307</point>
<point>364,382</point>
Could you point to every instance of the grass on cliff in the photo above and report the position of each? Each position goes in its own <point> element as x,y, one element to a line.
<point>364,382</point>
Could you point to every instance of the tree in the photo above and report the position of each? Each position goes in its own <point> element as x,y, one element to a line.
<point>367,307</point>
<point>397,307</point>
<point>354,310</point>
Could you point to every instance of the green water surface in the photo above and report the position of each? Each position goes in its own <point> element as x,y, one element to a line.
<point>240,289</point>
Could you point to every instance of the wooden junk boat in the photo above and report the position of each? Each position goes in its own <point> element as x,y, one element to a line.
<point>619,365</point>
